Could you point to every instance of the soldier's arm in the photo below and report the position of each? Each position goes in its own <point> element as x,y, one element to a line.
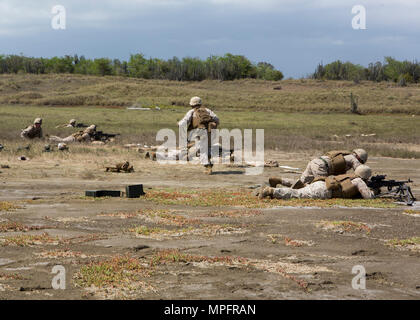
<point>86,137</point>
<point>214,116</point>
<point>40,134</point>
<point>352,162</point>
<point>364,190</point>
<point>24,133</point>
<point>187,119</point>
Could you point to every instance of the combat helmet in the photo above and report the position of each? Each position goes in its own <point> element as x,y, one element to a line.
<point>195,101</point>
<point>361,155</point>
<point>363,172</point>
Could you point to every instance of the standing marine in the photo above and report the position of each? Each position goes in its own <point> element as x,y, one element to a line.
<point>199,122</point>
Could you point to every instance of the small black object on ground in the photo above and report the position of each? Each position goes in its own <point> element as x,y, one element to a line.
<point>134,191</point>
<point>102,193</point>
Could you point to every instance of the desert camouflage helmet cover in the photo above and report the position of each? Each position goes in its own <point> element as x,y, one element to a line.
<point>363,172</point>
<point>38,120</point>
<point>72,121</point>
<point>91,128</point>
<point>195,101</point>
<point>62,146</point>
<point>362,154</point>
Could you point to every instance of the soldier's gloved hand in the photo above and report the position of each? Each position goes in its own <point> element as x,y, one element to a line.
<point>212,125</point>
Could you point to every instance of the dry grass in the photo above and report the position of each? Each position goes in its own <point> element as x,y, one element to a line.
<point>29,240</point>
<point>412,244</point>
<point>296,95</point>
<point>245,198</point>
<point>12,276</point>
<point>8,206</point>
<point>274,238</point>
<point>63,253</point>
<point>120,272</point>
<point>176,256</point>
<point>345,226</point>
<point>19,227</point>
<point>412,212</point>
<point>305,115</point>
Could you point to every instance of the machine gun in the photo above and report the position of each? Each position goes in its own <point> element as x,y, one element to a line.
<point>397,189</point>
<point>101,136</point>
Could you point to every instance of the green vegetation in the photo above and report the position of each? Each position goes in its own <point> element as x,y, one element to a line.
<point>306,115</point>
<point>117,272</point>
<point>176,256</point>
<point>227,67</point>
<point>401,72</point>
<point>404,242</point>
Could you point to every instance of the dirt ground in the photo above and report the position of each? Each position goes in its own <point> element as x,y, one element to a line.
<point>115,248</point>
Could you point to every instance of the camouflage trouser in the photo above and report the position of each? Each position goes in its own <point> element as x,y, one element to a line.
<point>316,190</point>
<point>203,144</point>
<point>315,168</point>
<point>58,139</point>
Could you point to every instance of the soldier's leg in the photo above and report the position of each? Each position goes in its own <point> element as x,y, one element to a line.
<point>319,168</point>
<point>307,175</point>
<point>316,190</point>
<point>273,182</point>
<point>204,147</point>
<point>55,139</point>
<point>285,193</point>
<point>69,139</point>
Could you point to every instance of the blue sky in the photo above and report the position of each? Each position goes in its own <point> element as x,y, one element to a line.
<point>293,35</point>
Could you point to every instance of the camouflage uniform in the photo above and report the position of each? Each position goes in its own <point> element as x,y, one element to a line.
<point>81,136</point>
<point>318,190</point>
<point>320,167</point>
<point>202,133</point>
<point>32,131</point>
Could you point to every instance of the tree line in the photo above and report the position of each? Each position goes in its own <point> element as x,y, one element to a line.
<point>227,67</point>
<point>401,72</point>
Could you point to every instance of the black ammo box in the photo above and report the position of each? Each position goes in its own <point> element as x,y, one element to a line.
<point>102,193</point>
<point>134,191</point>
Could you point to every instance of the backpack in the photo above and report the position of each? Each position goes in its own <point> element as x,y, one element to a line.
<point>201,118</point>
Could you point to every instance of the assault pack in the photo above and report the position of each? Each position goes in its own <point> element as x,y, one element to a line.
<point>201,118</point>
<point>338,163</point>
<point>341,185</point>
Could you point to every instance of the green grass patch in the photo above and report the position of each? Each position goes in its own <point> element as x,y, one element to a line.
<point>412,212</point>
<point>176,256</point>
<point>404,242</point>
<point>118,271</point>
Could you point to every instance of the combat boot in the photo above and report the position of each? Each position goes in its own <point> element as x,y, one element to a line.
<point>266,192</point>
<point>208,169</point>
<point>298,185</point>
<point>273,182</point>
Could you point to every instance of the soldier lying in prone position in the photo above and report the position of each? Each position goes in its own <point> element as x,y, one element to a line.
<point>333,163</point>
<point>348,186</point>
